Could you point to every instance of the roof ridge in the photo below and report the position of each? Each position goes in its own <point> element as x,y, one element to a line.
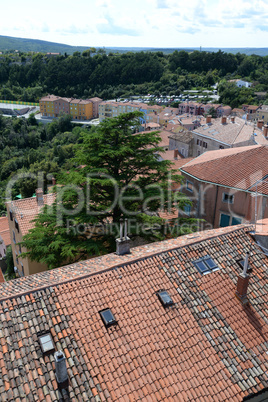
<point>68,273</point>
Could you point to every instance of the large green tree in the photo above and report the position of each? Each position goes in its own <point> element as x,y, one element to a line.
<point>118,175</point>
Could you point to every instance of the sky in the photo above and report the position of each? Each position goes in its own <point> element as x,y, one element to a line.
<point>139,23</point>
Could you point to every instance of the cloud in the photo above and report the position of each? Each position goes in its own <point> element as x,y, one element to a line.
<point>73,29</point>
<point>262,28</point>
<point>188,30</point>
<point>161,4</point>
<point>112,29</point>
<point>45,28</point>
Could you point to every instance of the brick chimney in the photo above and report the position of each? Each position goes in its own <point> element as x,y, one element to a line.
<point>223,120</point>
<point>260,124</point>
<point>233,119</point>
<point>242,283</point>
<point>39,196</point>
<point>176,153</point>
<point>208,119</point>
<point>265,130</point>
<point>53,181</point>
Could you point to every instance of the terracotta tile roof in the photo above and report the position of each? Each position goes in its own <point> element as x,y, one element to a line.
<point>195,350</point>
<point>232,133</point>
<point>26,209</point>
<point>238,168</point>
<point>2,279</point>
<point>4,230</point>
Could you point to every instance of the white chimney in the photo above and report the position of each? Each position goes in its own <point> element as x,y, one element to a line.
<point>39,196</point>
<point>123,243</point>
<point>242,283</point>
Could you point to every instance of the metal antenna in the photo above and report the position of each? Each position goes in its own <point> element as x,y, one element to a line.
<point>246,264</point>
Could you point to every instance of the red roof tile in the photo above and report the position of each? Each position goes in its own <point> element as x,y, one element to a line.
<point>238,168</point>
<point>26,210</point>
<point>4,230</point>
<point>196,349</point>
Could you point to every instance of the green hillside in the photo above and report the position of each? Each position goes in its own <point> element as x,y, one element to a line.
<point>8,43</point>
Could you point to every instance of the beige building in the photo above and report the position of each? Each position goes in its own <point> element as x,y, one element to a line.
<point>226,132</point>
<point>20,219</point>
<point>108,109</point>
<point>262,113</point>
<point>80,109</point>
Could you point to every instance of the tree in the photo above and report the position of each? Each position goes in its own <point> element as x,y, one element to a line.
<point>119,175</point>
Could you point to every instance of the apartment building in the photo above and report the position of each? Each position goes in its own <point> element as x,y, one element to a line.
<point>52,106</point>
<point>228,187</point>
<point>226,132</point>
<point>108,109</point>
<point>262,113</point>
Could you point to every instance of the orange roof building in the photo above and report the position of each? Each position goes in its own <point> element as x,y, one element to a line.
<point>229,186</point>
<point>21,214</point>
<point>175,330</point>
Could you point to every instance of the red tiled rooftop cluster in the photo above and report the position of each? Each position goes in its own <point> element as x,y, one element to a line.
<point>196,349</point>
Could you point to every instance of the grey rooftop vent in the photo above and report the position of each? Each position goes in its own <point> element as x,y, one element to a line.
<point>61,369</point>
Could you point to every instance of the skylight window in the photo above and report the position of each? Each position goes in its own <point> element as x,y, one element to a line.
<point>108,317</point>
<point>205,265</point>
<point>165,298</point>
<point>46,343</point>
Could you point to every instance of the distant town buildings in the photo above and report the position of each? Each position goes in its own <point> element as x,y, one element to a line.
<point>108,109</point>
<point>52,106</point>
<point>241,83</point>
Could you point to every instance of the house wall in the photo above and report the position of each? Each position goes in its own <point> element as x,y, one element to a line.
<point>210,204</point>
<point>24,266</point>
<point>202,144</point>
<point>186,149</point>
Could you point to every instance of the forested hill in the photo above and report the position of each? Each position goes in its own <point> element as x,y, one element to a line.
<point>8,43</point>
<point>27,76</point>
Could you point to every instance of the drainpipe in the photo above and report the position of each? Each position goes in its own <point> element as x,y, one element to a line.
<point>215,206</point>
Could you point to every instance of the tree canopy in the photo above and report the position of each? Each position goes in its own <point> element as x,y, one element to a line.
<point>118,174</point>
<point>27,77</point>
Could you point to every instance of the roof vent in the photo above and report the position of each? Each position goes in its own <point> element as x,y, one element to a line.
<point>123,243</point>
<point>61,369</point>
<point>242,283</point>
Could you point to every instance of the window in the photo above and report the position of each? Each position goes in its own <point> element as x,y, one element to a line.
<point>17,225</point>
<point>197,142</point>
<point>224,220</point>
<point>229,198</point>
<point>108,317</point>
<point>205,145</point>
<point>205,265</point>
<point>189,185</point>
<point>14,237</point>
<point>187,209</point>
<point>11,215</point>
<point>236,221</point>
<point>46,343</point>
<point>165,298</point>
<point>22,268</point>
<point>221,147</point>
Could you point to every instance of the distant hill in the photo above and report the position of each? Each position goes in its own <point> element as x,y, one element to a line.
<point>8,43</point>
